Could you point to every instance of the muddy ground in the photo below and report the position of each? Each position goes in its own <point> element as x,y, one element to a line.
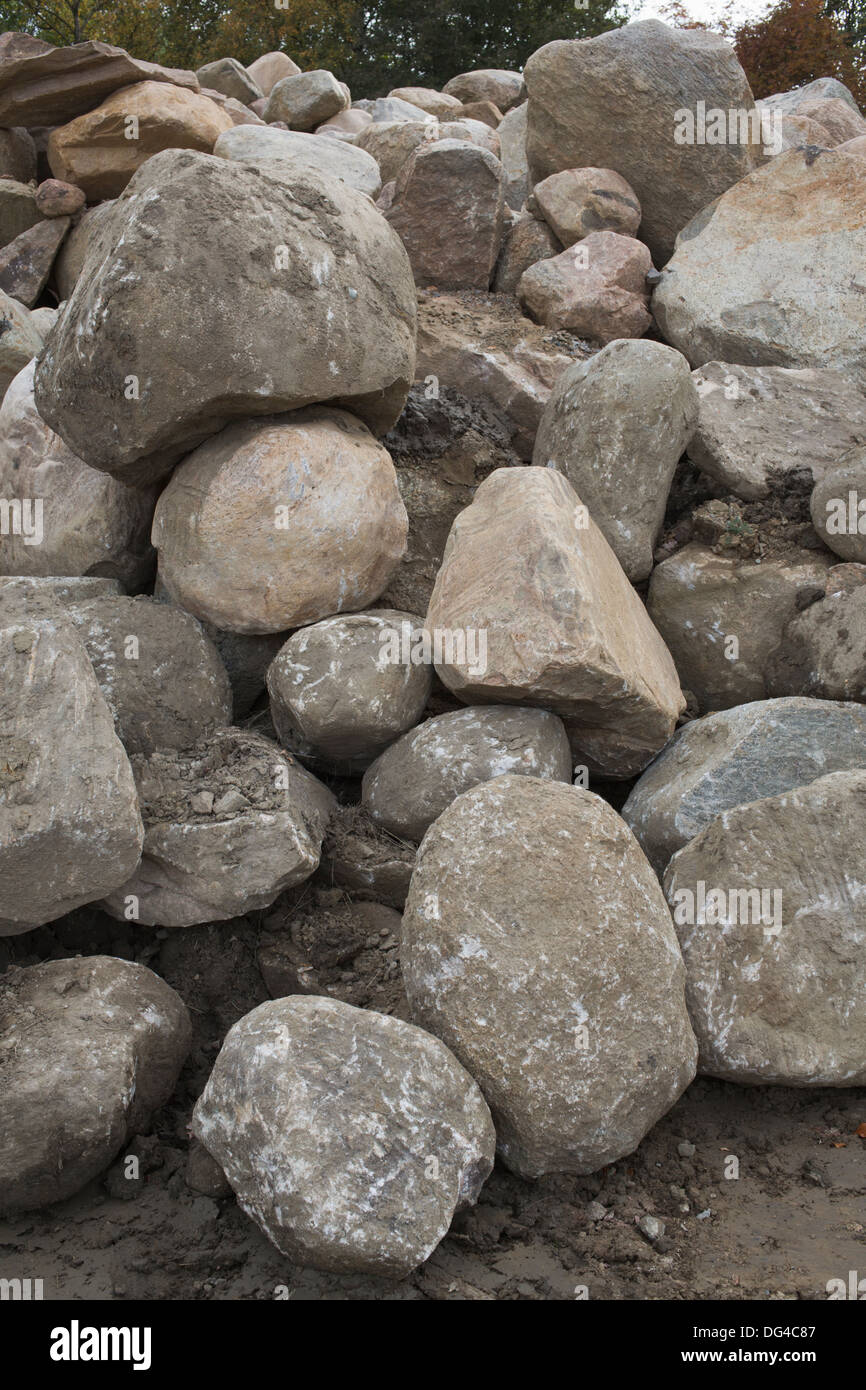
<point>794,1218</point>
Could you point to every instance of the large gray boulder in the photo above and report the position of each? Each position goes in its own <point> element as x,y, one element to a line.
<point>284,154</point>
<point>161,676</point>
<point>757,423</point>
<point>722,616</point>
<point>762,275</point>
<point>349,1137</point>
<point>145,361</point>
<point>340,696</point>
<point>768,903</point>
<point>70,826</point>
<point>20,340</point>
<point>738,755</point>
<point>91,1048</point>
<point>306,99</point>
<point>415,779</point>
<point>649,75</point>
<point>91,523</point>
<point>537,945</point>
<point>228,76</point>
<point>616,426</point>
<point>229,824</point>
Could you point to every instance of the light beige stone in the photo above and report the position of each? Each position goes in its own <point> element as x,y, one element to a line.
<point>498,85</point>
<point>276,523</point>
<point>578,201</point>
<point>763,276</point>
<point>95,153</point>
<point>270,69</point>
<point>438,104</point>
<point>528,567</point>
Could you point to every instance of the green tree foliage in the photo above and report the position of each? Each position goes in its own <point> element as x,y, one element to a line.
<point>850,15</point>
<point>373,46</point>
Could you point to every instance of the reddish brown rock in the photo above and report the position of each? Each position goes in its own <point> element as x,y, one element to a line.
<point>485,111</point>
<point>57,199</point>
<point>597,288</point>
<point>448,211</point>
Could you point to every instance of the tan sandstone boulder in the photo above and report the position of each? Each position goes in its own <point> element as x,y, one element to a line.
<point>276,523</point>
<point>97,153</point>
<point>527,566</point>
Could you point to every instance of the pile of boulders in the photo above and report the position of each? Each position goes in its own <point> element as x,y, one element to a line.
<point>391,487</point>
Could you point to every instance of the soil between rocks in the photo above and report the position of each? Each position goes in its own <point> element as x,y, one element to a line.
<point>794,1218</point>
